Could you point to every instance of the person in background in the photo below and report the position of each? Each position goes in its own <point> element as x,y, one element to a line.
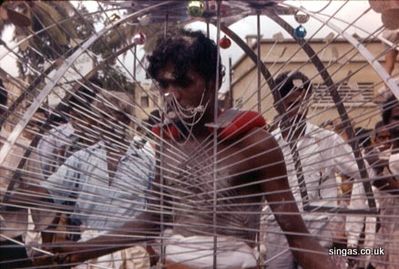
<point>322,154</point>
<point>386,186</point>
<point>22,199</point>
<point>144,137</point>
<point>387,182</point>
<point>107,181</point>
<point>59,142</point>
<point>382,141</point>
<point>11,254</point>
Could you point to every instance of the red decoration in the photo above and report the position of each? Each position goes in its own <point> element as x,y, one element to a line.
<point>241,124</point>
<point>169,132</point>
<point>225,42</point>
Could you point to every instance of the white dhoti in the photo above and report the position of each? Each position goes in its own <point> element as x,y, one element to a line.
<point>197,252</point>
<point>131,258</point>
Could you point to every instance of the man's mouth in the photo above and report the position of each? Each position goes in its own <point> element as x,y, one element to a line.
<point>171,115</point>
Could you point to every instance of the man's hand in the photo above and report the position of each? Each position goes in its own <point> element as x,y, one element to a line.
<point>56,259</point>
<point>60,253</point>
<point>373,157</point>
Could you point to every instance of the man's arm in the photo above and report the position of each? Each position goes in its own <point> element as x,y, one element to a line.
<point>306,250</point>
<point>387,183</point>
<point>143,227</point>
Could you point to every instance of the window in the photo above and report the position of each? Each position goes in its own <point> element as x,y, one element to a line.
<point>356,94</point>
<point>238,103</point>
<point>144,101</point>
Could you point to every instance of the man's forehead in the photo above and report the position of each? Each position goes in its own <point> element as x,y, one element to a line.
<point>296,93</point>
<point>167,74</point>
<point>298,83</point>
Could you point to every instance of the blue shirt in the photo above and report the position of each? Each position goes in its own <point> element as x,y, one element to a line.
<point>101,202</point>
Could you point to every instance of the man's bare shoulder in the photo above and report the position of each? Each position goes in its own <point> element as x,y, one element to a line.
<point>260,149</point>
<point>261,156</point>
<point>260,139</point>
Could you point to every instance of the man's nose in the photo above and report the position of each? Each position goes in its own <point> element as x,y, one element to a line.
<point>172,92</point>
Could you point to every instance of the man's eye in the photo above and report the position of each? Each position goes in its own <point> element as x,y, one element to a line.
<point>183,82</point>
<point>162,84</point>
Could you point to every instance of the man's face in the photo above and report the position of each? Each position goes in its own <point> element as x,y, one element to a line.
<point>383,138</point>
<point>189,92</point>
<point>393,125</point>
<point>38,119</point>
<point>295,106</point>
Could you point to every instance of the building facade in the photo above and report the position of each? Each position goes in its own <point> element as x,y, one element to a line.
<point>352,75</point>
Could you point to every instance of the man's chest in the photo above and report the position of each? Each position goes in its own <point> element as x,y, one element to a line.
<point>199,168</point>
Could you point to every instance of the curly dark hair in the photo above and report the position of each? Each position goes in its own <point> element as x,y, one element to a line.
<point>285,82</point>
<point>84,96</point>
<point>186,50</point>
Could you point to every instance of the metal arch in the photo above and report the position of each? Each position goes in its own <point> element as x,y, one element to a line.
<point>388,80</point>
<point>326,77</point>
<point>251,54</point>
<point>17,174</point>
<point>5,149</point>
<point>337,99</point>
<point>16,104</point>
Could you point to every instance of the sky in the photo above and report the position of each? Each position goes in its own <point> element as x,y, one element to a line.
<point>247,26</point>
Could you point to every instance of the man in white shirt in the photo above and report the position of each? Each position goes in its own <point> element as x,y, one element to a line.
<point>60,142</point>
<point>107,183</point>
<point>56,145</point>
<point>320,154</point>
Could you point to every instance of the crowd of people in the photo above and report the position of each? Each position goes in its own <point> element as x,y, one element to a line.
<point>96,197</point>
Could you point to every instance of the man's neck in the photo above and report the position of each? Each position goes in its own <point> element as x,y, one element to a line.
<point>293,131</point>
<point>200,129</point>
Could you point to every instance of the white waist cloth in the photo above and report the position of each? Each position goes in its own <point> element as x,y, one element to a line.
<point>197,252</point>
<point>131,258</point>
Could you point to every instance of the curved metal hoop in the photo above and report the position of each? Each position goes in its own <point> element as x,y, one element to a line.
<point>16,132</point>
<point>333,92</point>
